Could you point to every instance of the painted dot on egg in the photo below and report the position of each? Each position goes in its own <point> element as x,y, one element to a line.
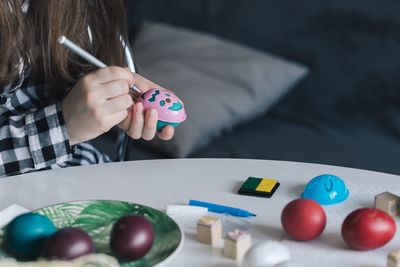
<point>168,100</point>
<point>162,102</point>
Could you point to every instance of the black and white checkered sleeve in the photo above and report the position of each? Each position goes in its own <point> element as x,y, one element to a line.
<point>33,141</point>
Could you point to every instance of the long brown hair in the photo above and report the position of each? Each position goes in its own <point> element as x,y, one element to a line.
<point>41,26</point>
<point>11,27</point>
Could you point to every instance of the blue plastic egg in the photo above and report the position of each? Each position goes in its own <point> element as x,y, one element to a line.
<point>25,235</point>
<point>326,189</point>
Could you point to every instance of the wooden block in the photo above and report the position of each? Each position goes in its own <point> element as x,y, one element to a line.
<point>236,244</point>
<point>393,259</point>
<point>388,203</point>
<point>209,230</point>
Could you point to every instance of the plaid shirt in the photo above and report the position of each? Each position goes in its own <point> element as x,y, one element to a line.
<point>33,135</point>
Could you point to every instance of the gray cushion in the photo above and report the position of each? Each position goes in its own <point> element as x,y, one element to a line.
<point>221,83</point>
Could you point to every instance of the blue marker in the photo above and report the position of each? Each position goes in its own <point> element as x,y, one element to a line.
<point>221,209</point>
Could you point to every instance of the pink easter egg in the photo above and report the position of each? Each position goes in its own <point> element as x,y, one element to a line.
<point>170,108</point>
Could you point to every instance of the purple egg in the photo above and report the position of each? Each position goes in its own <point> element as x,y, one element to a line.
<point>68,243</point>
<point>131,237</point>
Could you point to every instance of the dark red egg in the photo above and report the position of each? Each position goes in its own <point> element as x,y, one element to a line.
<point>303,219</point>
<point>68,243</point>
<point>368,228</point>
<point>131,237</point>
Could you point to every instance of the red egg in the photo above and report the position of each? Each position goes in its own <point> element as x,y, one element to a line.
<point>303,219</point>
<point>368,228</point>
<point>131,237</point>
<point>68,243</point>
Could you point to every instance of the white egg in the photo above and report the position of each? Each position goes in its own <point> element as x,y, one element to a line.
<point>288,264</point>
<point>266,254</point>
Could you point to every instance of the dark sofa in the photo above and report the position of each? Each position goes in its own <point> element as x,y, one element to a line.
<point>345,112</point>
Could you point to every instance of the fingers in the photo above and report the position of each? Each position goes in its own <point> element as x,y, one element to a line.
<point>143,84</point>
<point>126,123</point>
<point>118,104</point>
<point>111,120</point>
<point>113,89</point>
<point>113,73</point>
<point>143,125</point>
<point>114,85</point>
<point>115,81</point>
<point>117,117</point>
<point>166,133</point>
<point>150,124</point>
<point>137,124</point>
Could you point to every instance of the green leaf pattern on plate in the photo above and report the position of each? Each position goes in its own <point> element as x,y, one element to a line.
<point>98,216</point>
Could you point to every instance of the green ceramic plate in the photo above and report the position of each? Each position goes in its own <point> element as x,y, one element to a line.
<point>97,217</point>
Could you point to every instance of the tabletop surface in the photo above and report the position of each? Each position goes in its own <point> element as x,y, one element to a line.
<point>156,183</point>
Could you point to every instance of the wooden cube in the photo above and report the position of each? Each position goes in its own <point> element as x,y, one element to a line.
<point>236,244</point>
<point>393,259</point>
<point>209,230</point>
<point>388,203</point>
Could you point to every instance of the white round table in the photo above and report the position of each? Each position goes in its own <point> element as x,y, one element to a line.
<point>156,183</point>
